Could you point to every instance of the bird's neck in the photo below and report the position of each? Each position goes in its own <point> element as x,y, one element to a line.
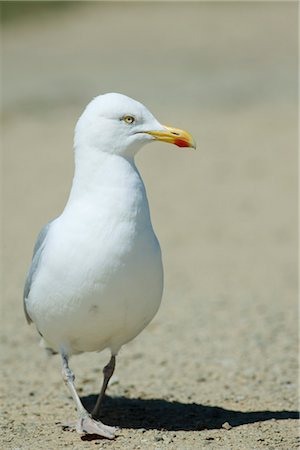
<point>101,175</point>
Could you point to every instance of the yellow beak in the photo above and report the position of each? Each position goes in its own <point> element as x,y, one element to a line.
<point>174,136</point>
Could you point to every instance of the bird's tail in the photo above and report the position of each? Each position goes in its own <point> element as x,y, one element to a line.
<point>47,348</point>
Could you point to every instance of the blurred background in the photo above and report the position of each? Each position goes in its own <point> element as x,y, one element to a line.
<point>225,214</point>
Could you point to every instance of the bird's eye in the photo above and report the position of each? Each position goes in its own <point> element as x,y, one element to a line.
<point>129,119</point>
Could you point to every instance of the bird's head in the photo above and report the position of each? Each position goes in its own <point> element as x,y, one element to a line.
<point>117,124</point>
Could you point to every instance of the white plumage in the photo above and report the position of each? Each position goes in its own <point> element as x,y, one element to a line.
<point>96,278</point>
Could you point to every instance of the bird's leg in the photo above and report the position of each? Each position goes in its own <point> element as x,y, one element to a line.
<point>85,423</point>
<point>107,373</point>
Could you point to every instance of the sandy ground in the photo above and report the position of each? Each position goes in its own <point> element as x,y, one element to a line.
<point>217,367</point>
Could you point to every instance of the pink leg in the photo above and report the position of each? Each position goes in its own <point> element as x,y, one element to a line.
<point>107,372</point>
<point>85,424</point>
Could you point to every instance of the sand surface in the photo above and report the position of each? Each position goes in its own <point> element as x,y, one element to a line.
<point>217,367</point>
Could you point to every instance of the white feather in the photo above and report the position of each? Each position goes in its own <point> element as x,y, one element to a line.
<point>99,278</point>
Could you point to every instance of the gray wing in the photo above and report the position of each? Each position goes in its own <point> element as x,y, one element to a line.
<point>37,252</point>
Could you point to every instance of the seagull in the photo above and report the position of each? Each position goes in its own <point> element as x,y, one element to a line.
<point>96,276</point>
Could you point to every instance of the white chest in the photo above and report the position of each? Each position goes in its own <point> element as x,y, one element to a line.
<point>100,279</point>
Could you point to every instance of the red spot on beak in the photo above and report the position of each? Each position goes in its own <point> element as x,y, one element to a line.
<point>181,143</point>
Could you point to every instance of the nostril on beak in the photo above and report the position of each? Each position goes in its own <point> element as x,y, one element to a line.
<point>175,134</point>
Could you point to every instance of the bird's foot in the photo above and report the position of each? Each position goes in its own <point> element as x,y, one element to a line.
<point>87,425</point>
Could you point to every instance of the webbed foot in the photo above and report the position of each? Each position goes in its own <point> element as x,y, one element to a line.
<point>87,425</point>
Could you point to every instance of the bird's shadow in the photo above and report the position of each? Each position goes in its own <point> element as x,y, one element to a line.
<point>160,414</point>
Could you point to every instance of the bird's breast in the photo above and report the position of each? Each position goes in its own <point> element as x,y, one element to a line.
<point>101,270</point>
